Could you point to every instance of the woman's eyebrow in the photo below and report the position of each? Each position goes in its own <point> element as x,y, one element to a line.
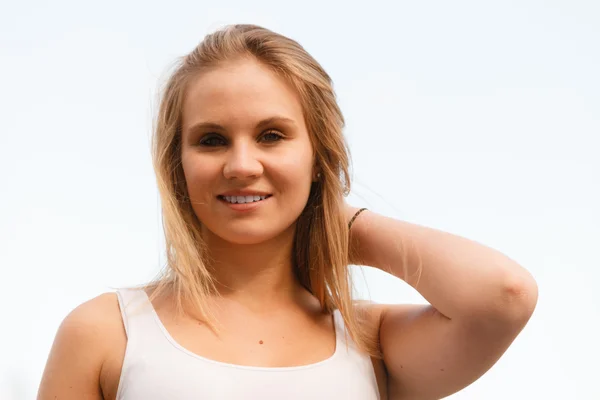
<point>273,120</point>
<point>201,126</point>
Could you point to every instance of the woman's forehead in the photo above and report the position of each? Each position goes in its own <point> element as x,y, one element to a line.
<point>241,93</point>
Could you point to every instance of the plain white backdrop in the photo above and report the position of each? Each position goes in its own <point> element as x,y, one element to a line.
<point>479,118</point>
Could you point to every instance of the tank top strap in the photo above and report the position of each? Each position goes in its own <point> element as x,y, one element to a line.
<point>139,317</point>
<point>342,336</point>
<point>340,328</point>
<point>347,353</point>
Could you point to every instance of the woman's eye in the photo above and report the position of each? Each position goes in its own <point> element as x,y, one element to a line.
<point>212,141</point>
<point>271,136</point>
<point>215,140</point>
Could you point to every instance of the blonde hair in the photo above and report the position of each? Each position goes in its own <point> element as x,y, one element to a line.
<point>320,252</point>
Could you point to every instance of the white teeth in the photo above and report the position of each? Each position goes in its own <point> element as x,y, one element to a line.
<point>243,199</point>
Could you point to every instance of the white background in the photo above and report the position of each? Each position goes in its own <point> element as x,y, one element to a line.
<point>477,117</point>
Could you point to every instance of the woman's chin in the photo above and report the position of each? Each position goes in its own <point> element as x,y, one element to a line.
<point>246,237</point>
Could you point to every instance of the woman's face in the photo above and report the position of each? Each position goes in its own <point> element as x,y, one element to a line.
<point>246,154</point>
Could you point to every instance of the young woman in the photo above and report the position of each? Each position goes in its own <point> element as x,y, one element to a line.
<point>255,302</point>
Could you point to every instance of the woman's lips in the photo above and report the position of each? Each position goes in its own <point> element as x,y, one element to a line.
<point>249,206</point>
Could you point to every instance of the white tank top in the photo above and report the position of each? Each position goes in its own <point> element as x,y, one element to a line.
<point>157,367</point>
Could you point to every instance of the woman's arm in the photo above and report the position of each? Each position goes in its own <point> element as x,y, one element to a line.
<point>480,300</point>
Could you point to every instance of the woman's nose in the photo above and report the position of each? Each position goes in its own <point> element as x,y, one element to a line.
<point>242,163</point>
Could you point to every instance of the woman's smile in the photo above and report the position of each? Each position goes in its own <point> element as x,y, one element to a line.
<point>243,203</point>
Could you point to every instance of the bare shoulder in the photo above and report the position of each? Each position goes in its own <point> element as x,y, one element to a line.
<point>94,322</point>
<point>374,313</point>
<point>85,340</point>
<point>100,312</point>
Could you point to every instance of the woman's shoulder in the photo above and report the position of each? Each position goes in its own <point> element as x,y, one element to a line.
<point>95,317</point>
<point>87,337</point>
<point>369,311</point>
<point>95,325</point>
<point>374,314</point>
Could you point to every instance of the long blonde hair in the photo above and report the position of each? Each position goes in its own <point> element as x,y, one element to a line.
<point>320,252</point>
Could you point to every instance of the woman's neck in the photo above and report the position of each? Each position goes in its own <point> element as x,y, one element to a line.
<point>255,275</point>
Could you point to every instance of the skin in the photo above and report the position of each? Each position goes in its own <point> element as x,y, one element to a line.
<point>480,299</point>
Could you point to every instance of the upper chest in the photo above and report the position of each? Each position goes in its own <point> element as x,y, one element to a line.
<point>282,341</point>
<point>277,340</point>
